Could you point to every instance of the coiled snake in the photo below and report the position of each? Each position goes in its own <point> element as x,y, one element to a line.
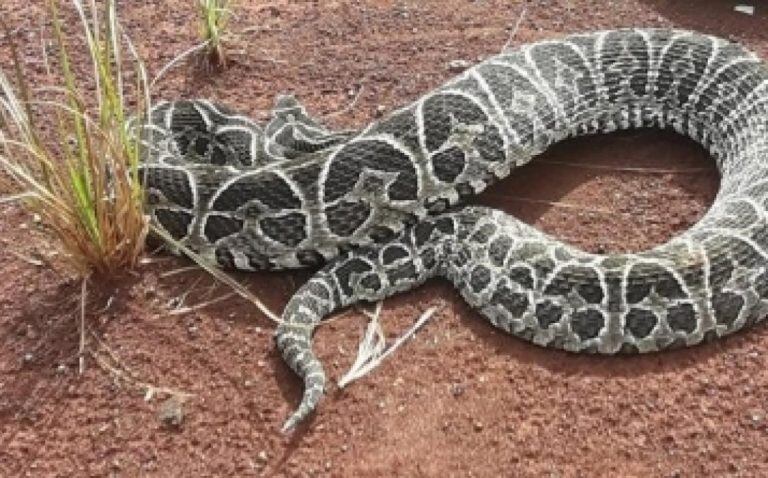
<point>296,194</point>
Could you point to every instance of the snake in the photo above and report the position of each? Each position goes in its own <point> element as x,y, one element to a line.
<point>380,210</point>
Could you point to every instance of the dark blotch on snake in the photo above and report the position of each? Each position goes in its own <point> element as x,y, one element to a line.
<point>682,317</point>
<point>392,253</point>
<point>727,306</point>
<point>176,223</point>
<point>515,302</point>
<point>640,322</point>
<point>217,227</point>
<point>348,269</point>
<point>480,278</point>
<point>587,323</point>
<point>548,313</point>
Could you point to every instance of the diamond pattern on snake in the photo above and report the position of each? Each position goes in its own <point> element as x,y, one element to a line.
<point>380,208</point>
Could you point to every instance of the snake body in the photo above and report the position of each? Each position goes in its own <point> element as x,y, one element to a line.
<point>378,205</point>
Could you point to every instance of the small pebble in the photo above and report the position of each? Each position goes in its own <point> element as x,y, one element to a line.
<point>745,9</point>
<point>171,412</point>
<point>457,389</point>
<point>757,417</point>
<point>458,65</point>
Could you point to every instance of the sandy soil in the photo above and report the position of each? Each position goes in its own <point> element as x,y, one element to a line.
<point>461,399</point>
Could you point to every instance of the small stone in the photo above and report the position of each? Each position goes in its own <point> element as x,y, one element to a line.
<point>458,65</point>
<point>28,357</point>
<point>61,368</point>
<point>171,412</point>
<point>745,9</point>
<point>380,109</point>
<point>756,417</point>
<point>262,456</point>
<point>478,426</point>
<point>36,218</point>
<point>457,389</point>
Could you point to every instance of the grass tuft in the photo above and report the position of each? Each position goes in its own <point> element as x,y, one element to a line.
<point>81,179</point>
<point>214,18</point>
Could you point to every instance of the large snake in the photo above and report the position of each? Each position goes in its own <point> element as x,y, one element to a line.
<point>377,205</point>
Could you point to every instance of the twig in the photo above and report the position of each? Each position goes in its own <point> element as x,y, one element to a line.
<point>514,30</point>
<point>15,197</point>
<point>152,259</point>
<point>376,311</point>
<point>27,259</point>
<point>180,270</point>
<point>219,275</point>
<point>176,302</point>
<point>347,108</point>
<point>192,308</point>
<point>122,372</point>
<point>272,58</point>
<point>81,351</point>
<point>176,60</point>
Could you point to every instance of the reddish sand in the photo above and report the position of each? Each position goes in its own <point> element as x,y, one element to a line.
<point>461,399</point>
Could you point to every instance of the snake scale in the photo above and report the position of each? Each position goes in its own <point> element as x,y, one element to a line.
<point>379,207</point>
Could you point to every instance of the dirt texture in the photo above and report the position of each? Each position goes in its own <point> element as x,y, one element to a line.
<point>461,398</point>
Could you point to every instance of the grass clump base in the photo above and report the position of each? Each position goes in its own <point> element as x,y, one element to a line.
<point>214,19</point>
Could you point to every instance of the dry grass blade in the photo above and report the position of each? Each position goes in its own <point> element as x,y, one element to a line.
<point>83,302</point>
<point>218,274</point>
<point>106,358</point>
<point>513,33</point>
<point>201,305</point>
<point>372,349</point>
<point>82,180</point>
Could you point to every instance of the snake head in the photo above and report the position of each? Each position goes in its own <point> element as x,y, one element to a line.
<point>220,185</point>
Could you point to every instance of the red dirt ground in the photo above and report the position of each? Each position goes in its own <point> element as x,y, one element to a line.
<point>461,399</point>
